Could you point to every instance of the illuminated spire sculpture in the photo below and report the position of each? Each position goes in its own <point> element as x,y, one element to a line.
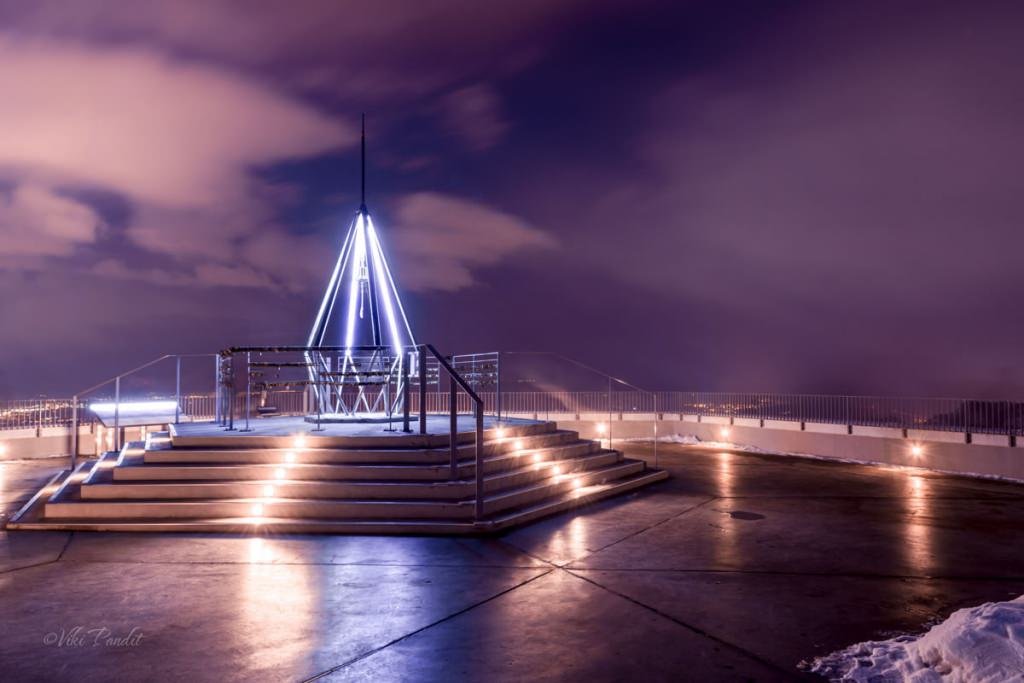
<point>371,328</point>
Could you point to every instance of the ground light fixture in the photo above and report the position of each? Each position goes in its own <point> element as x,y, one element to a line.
<point>917,450</point>
<point>724,432</point>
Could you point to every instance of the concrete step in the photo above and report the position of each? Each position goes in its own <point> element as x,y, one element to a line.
<point>293,485</point>
<point>341,455</point>
<point>76,506</point>
<point>213,436</point>
<point>275,525</point>
<point>345,471</point>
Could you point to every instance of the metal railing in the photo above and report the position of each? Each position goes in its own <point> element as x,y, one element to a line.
<point>116,382</point>
<point>290,372</point>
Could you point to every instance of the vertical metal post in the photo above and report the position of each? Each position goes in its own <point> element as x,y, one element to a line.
<point>177,389</point>
<point>497,363</point>
<point>453,429</point>
<point>39,418</point>
<point>609,413</point>
<point>217,414</point>
<point>657,416</point>
<point>479,462</point>
<point>248,390</point>
<point>406,361</point>
<point>117,413</point>
<point>74,432</point>
<point>423,388</point>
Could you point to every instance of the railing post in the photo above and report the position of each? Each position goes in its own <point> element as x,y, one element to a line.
<point>423,388</point>
<point>248,391</point>
<point>216,389</point>
<point>453,429</point>
<point>117,414</point>
<point>74,432</point>
<point>406,361</point>
<point>497,372</point>
<point>177,389</point>
<point>609,413</point>
<point>479,461</point>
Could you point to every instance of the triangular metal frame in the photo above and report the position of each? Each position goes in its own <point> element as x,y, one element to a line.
<point>362,269</point>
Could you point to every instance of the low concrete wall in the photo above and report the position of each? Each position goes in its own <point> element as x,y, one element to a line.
<point>22,444</point>
<point>986,455</point>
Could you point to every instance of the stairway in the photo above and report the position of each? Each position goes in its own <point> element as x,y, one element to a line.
<point>397,484</point>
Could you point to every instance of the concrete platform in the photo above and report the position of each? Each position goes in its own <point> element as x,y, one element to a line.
<point>204,478</point>
<point>736,568</point>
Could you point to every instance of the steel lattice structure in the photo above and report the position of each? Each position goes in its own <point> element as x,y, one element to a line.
<point>362,297</point>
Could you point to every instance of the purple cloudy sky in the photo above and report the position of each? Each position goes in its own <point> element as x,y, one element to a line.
<point>821,197</point>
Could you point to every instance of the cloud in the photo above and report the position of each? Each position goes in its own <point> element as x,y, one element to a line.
<point>474,115</point>
<point>441,240</point>
<point>169,134</point>
<point>390,49</point>
<point>37,221</point>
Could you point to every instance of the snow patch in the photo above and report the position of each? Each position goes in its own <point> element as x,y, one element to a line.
<point>982,644</point>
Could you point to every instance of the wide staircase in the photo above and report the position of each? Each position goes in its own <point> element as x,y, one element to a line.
<point>401,484</point>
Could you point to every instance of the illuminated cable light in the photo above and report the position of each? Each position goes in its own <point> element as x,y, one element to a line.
<point>353,292</point>
<point>391,282</point>
<point>377,256</point>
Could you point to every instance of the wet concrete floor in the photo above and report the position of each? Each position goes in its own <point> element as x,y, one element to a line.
<point>737,568</point>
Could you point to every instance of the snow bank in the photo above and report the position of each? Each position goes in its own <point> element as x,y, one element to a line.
<point>982,644</point>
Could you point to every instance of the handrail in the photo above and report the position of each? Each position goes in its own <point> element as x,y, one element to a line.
<point>610,378</point>
<point>456,378</point>
<point>117,397</point>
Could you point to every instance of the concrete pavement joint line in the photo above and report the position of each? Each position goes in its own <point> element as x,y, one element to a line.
<point>768,572</point>
<point>689,627</point>
<point>71,536</point>
<point>42,564</point>
<point>374,651</point>
<point>307,564</point>
<point>636,533</point>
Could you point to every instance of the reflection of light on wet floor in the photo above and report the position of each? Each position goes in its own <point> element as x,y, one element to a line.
<point>725,529</point>
<point>276,602</point>
<point>918,532</point>
<point>570,542</point>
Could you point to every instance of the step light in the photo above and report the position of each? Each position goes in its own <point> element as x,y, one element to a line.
<point>279,473</point>
<point>268,491</point>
